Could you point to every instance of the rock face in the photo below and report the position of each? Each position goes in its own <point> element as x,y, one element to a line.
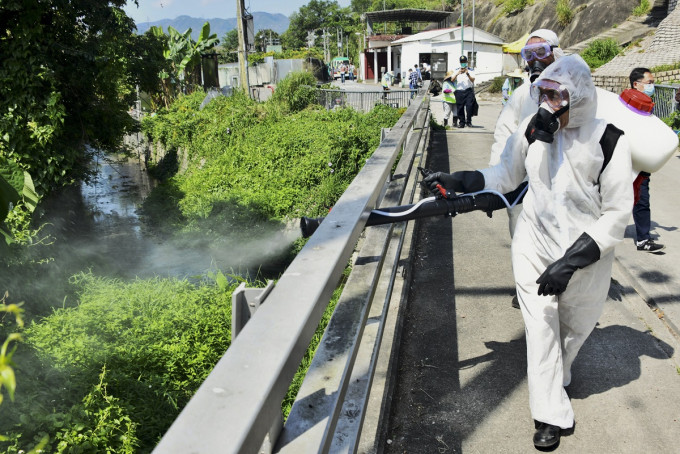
<point>590,17</point>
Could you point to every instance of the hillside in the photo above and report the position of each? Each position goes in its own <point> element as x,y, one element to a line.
<point>261,20</point>
<point>590,17</point>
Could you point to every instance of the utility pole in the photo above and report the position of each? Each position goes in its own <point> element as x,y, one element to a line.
<point>473,59</point>
<point>462,28</point>
<point>242,50</point>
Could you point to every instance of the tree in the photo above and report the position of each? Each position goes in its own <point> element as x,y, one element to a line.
<point>67,78</point>
<point>229,48</point>
<point>315,16</point>
<point>264,37</point>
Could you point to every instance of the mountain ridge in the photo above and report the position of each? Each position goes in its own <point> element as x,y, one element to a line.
<point>261,20</point>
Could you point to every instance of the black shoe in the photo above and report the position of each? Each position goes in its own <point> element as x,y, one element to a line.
<point>547,436</point>
<point>515,302</point>
<point>469,124</point>
<point>649,246</point>
<point>461,125</point>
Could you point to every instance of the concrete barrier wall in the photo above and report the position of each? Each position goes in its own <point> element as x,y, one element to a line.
<point>617,84</point>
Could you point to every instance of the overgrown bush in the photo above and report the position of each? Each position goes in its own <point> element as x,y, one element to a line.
<point>497,84</point>
<point>296,91</point>
<point>113,373</point>
<point>643,8</point>
<point>600,51</point>
<point>674,120</point>
<point>564,12</point>
<point>512,6</point>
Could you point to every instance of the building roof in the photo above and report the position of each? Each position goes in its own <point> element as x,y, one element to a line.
<point>452,34</point>
<point>406,15</point>
<point>430,34</point>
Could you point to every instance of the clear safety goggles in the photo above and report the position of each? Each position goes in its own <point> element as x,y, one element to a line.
<point>552,93</point>
<point>536,50</point>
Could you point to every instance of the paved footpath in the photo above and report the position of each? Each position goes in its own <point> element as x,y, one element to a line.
<point>461,384</point>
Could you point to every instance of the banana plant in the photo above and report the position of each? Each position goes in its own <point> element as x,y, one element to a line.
<point>183,53</point>
<point>15,185</point>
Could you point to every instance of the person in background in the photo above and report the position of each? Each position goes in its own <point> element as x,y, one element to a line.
<point>412,81</point>
<point>343,72</point>
<point>427,75</point>
<point>351,72</point>
<point>386,81</point>
<point>514,80</point>
<point>417,70</point>
<point>449,99</point>
<point>642,79</point>
<point>562,253</point>
<point>465,92</point>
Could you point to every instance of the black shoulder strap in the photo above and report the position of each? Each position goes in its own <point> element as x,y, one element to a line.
<point>608,142</point>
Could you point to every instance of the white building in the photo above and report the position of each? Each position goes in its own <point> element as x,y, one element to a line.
<point>442,49</point>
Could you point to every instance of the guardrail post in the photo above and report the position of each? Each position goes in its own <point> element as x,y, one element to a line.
<point>244,303</point>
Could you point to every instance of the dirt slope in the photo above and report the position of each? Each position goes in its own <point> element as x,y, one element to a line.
<point>590,18</point>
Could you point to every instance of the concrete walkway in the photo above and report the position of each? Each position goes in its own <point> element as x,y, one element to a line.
<point>461,384</point>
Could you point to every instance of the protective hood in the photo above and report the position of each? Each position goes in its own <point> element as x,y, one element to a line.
<point>573,72</point>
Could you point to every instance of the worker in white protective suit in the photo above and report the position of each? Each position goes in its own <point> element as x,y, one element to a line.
<point>575,213</point>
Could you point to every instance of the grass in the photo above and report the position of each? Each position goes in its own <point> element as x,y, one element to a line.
<point>564,12</point>
<point>642,9</point>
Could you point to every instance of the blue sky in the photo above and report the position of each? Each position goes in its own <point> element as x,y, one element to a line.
<point>152,10</point>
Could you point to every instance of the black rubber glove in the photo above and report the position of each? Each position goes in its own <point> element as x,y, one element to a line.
<point>555,278</point>
<point>543,126</point>
<point>462,181</point>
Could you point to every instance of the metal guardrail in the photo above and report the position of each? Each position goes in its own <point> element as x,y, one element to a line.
<point>237,409</point>
<point>365,100</point>
<point>664,100</point>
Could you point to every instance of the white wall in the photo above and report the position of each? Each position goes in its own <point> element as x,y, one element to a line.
<point>489,58</point>
<point>410,55</point>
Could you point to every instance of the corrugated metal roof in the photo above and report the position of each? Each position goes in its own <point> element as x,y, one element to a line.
<point>407,14</point>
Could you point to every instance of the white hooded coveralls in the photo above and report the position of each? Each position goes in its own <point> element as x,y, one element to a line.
<point>568,194</point>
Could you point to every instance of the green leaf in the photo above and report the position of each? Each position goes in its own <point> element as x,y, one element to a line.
<point>8,379</point>
<point>31,198</point>
<point>11,183</point>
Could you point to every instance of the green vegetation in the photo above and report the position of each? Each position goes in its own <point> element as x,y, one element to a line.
<point>183,55</point>
<point>68,72</point>
<point>668,67</point>
<point>600,51</point>
<point>564,12</point>
<point>112,373</point>
<point>513,6</point>
<point>643,8</point>
<point>247,150</point>
<point>673,121</point>
<point>497,84</point>
<point>112,368</point>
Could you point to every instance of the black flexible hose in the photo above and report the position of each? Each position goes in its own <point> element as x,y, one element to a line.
<point>486,202</point>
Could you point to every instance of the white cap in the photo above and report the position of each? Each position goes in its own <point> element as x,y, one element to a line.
<point>548,35</point>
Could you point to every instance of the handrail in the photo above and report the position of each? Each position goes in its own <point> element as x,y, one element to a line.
<point>240,401</point>
<point>364,100</point>
<point>664,99</point>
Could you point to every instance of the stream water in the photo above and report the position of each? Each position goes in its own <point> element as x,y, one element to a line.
<point>97,226</point>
